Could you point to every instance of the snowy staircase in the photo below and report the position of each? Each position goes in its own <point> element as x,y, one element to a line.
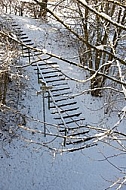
<point>64,109</point>
<point>60,92</point>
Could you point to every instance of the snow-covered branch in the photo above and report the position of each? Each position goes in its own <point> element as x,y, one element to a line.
<point>83,40</point>
<point>101,14</point>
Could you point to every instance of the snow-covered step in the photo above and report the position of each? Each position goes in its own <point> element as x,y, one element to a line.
<point>28,43</point>
<point>54,111</point>
<point>60,89</point>
<point>72,121</point>
<point>63,104</point>
<point>47,64</point>
<point>69,115</point>
<point>66,109</point>
<point>74,129</point>
<point>55,80</point>
<point>52,75</point>
<point>50,71</point>
<point>18,28</point>
<point>26,40</point>
<point>64,93</point>
<point>23,37</point>
<point>20,34</point>
<point>15,25</point>
<point>59,99</point>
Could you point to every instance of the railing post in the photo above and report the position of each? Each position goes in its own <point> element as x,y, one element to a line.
<point>44,113</point>
<point>38,74</point>
<point>65,137</point>
<point>48,100</point>
<point>29,55</point>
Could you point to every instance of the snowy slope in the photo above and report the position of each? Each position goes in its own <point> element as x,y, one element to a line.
<point>32,167</point>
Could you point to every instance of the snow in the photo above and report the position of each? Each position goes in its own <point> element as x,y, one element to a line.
<point>100,47</point>
<point>29,166</point>
<point>124,109</point>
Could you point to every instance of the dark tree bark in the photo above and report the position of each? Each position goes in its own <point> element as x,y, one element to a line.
<point>43,8</point>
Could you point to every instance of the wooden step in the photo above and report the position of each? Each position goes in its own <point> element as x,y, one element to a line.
<point>53,76</point>
<point>60,84</point>
<point>26,41</point>
<point>64,104</point>
<point>21,31</point>
<point>14,25</point>
<point>80,141</point>
<point>50,63</point>
<point>69,116</point>
<point>48,71</point>
<point>29,44</point>
<point>25,37</point>
<point>46,66</point>
<point>18,28</point>
<point>78,134</point>
<point>65,110</point>
<point>59,100</point>
<point>55,80</point>
<point>73,121</point>
<point>62,94</point>
<point>60,89</point>
<point>22,34</point>
<point>74,129</point>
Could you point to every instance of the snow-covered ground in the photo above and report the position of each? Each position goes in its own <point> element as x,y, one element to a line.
<point>32,167</point>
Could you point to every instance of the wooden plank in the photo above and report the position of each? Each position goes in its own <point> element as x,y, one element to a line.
<point>69,116</point>
<point>58,100</point>
<point>23,34</point>
<point>85,139</point>
<point>79,133</point>
<point>60,84</point>
<point>14,25</point>
<point>63,105</point>
<point>25,37</point>
<point>61,89</point>
<point>29,44</point>
<point>55,80</point>
<point>72,121</point>
<point>61,94</point>
<point>47,72</point>
<point>43,66</point>
<point>65,110</point>
<point>26,41</point>
<point>20,31</point>
<point>52,76</point>
<point>50,63</point>
<point>17,28</point>
<point>74,128</point>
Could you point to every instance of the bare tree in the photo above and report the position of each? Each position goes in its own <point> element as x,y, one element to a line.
<point>101,26</point>
<point>43,7</point>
